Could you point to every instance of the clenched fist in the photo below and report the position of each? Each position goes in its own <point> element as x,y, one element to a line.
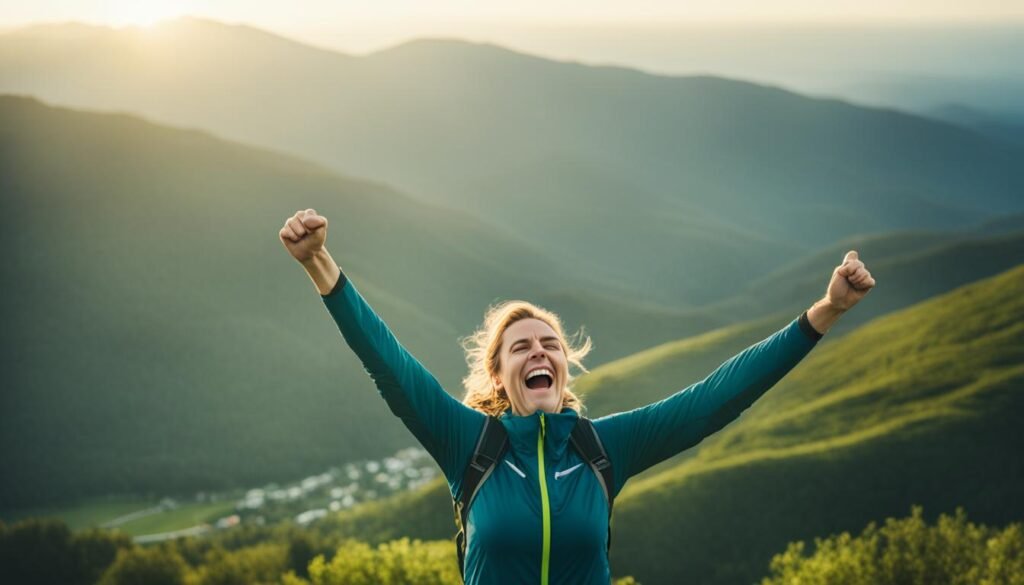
<point>850,282</point>
<point>304,234</point>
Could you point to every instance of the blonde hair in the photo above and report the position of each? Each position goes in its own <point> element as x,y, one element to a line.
<point>483,352</point>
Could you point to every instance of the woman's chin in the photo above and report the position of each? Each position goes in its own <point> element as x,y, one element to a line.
<point>545,400</point>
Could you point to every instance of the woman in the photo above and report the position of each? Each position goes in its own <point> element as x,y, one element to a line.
<point>537,518</point>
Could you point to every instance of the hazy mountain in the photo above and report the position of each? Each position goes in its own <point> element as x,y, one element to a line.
<point>867,425</point>
<point>912,266</point>
<point>913,66</point>
<point>1006,224</point>
<point>159,337</point>
<point>648,179</point>
<point>1000,127</point>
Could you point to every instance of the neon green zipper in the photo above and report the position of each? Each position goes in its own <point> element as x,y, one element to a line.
<point>545,506</point>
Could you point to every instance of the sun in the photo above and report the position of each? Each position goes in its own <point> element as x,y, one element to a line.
<point>142,12</point>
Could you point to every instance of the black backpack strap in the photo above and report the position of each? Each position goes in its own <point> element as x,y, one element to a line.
<point>588,444</point>
<point>490,446</point>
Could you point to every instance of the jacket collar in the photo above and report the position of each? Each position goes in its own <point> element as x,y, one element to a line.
<point>522,431</point>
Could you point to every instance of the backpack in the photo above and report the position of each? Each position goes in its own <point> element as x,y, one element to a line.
<point>491,447</point>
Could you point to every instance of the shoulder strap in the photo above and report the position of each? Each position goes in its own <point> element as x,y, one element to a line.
<point>588,444</point>
<point>490,446</point>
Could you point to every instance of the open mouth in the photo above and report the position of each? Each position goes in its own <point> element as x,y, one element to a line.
<point>540,379</point>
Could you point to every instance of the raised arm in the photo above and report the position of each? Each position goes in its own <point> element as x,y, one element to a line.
<point>445,427</point>
<point>640,438</point>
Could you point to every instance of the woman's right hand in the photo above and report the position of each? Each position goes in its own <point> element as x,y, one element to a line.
<point>304,234</point>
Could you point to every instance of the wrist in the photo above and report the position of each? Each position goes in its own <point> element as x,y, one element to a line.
<point>827,305</point>
<point>320,258</point>
<point>823,314</point>
<point>322,270</point>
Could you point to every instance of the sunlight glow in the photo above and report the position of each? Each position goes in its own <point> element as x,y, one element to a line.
<point>144,13</point>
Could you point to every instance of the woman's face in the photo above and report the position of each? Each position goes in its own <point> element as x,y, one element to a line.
<point>531,346</point>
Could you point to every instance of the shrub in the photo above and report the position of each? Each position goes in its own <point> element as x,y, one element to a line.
<point>908,552</point>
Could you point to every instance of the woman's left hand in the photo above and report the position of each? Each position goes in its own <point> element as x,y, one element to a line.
<point>850,282</point>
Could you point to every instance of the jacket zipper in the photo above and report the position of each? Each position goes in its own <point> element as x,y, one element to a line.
<point>545,506</point>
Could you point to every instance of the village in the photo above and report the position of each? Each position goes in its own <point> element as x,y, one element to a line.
<point>303,501</point>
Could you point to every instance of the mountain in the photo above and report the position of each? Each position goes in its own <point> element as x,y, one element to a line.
<point>638,179</point>
<point>915,407</point>
<point>1005,127</point>
<point>913,266</point>
<point>162,340</point>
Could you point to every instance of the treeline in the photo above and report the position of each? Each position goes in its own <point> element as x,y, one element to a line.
<point>906,550</point>
<point>45,552</point>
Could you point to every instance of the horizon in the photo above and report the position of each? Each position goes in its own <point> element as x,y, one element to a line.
<point>963,63</point>
<point>498,32</point>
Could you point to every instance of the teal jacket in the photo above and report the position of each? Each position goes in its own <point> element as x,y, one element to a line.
<point>541,517</point>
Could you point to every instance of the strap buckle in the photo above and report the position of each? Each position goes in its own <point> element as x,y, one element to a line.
<point>481,462</point>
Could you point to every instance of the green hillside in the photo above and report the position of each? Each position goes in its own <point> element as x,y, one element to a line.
<point>165,341</point>
<point>147,362</point>
<point>916,407</point>
<point>641,179</point>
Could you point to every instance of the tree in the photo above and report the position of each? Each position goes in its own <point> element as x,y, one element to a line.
<point>146,566</point>
<point>93,551</point>
<point>37,550</point>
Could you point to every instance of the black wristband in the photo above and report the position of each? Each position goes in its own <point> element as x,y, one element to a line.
<point>811,332</point>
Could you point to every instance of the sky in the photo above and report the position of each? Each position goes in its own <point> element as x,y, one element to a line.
<point>365,26</point>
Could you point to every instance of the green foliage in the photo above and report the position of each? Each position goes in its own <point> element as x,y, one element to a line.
<point>399,562</point>
<point>159,565</point>
<point>908,551</point>
<point>45,551</point>
<point>94,550</point>
<point>300,552</point>
<point>37,551</point>
<point>261,563</point>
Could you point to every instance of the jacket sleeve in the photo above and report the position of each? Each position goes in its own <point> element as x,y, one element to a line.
<point>445,427</point>
<point>640,438</point>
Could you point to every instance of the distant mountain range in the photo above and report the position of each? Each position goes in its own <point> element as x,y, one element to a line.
<point>639,179</point>
<point>1000,127</point>
<point>154,350</point>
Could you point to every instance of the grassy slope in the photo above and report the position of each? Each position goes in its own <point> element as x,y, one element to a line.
<point>915,407</point>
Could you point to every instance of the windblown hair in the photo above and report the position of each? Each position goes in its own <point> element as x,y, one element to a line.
<point>483,351</point>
